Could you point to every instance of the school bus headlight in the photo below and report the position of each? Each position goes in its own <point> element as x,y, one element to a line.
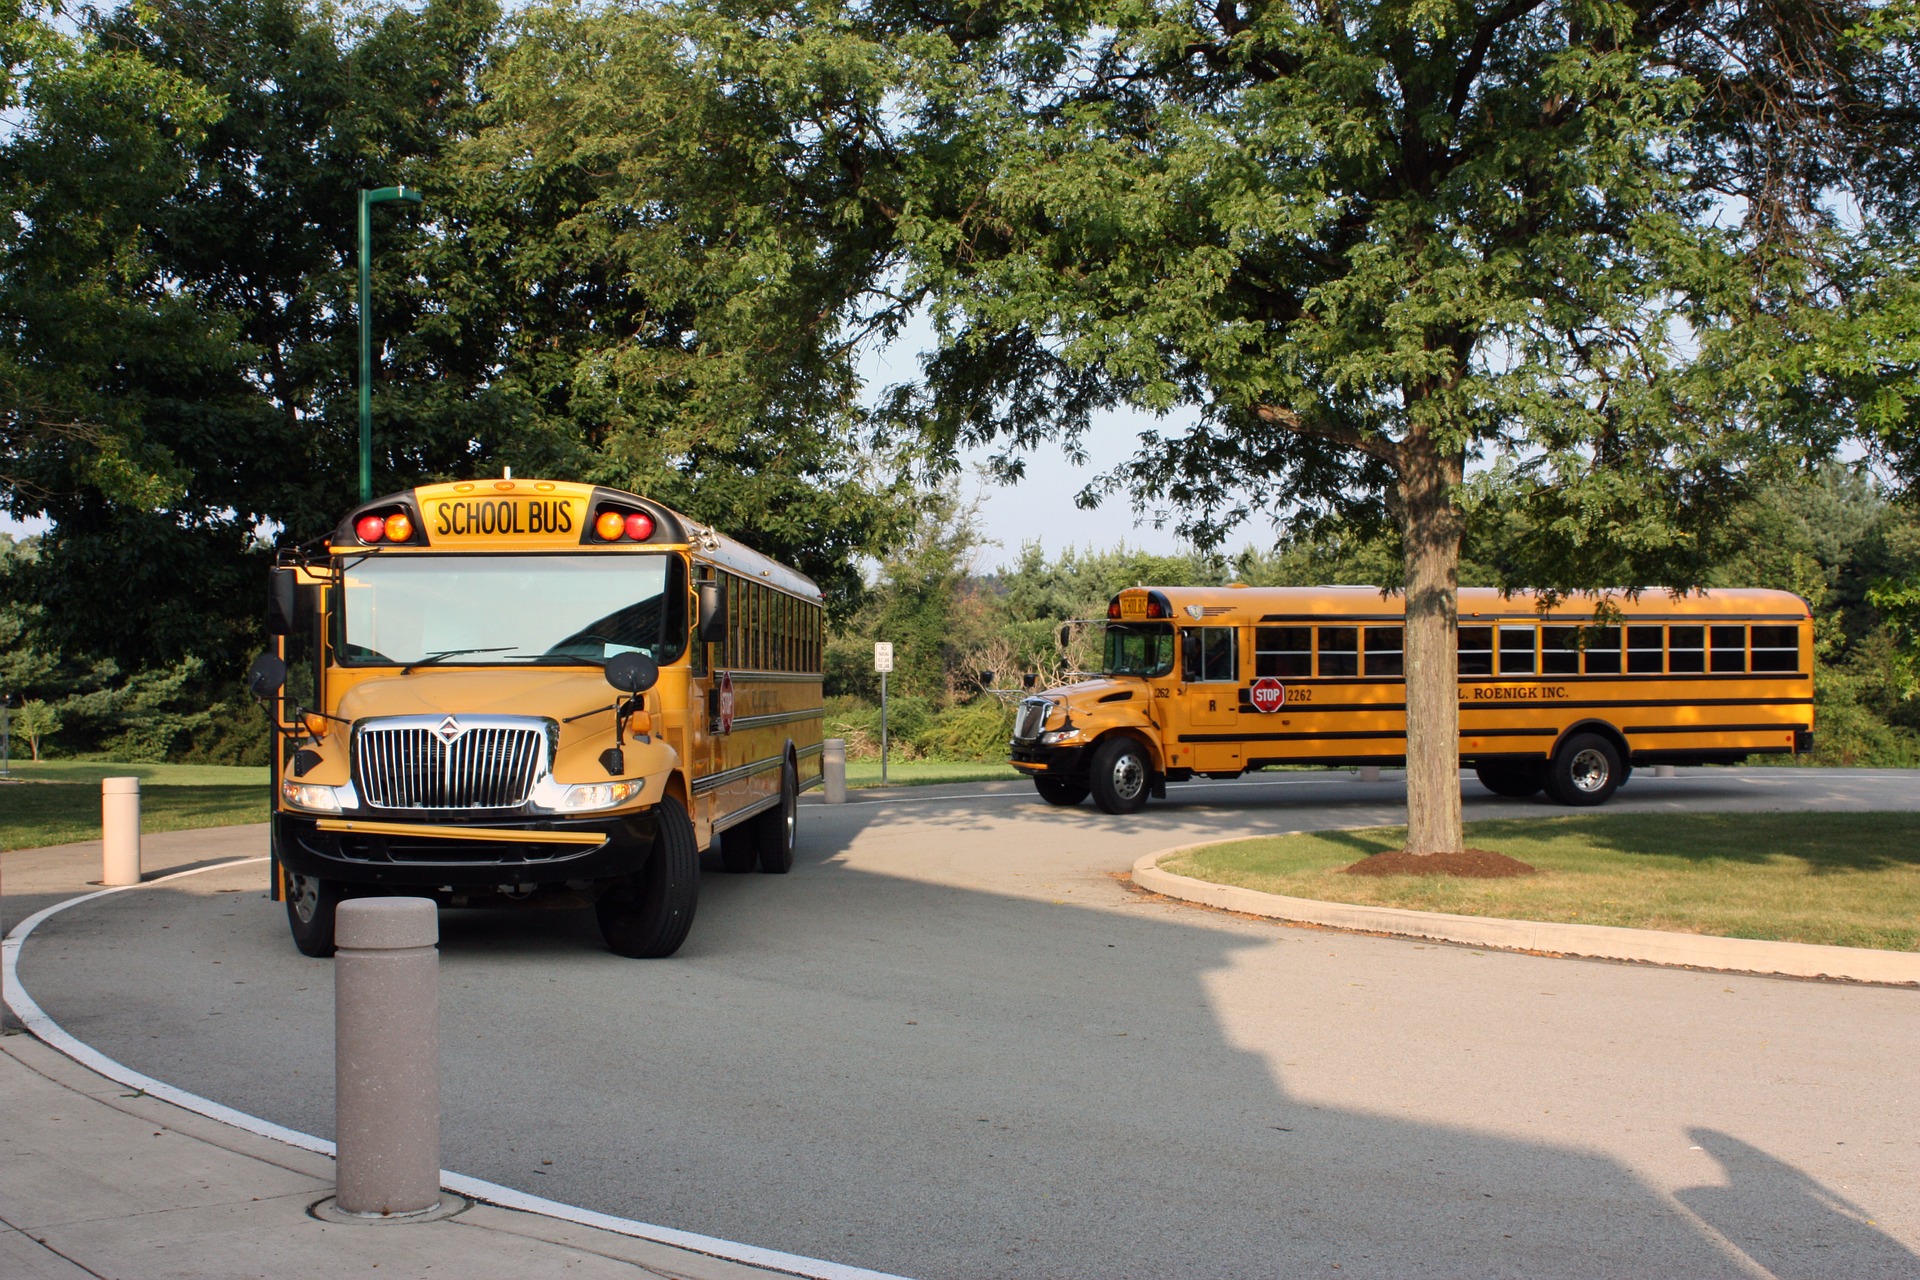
<point>584,797</point>
<point>308,796</point>
<point>1063,738</point>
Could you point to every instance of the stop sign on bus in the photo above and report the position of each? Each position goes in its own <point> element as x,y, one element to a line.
<point>1267,694</point>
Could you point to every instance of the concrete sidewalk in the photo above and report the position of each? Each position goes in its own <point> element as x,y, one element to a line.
<point>97,1179</point>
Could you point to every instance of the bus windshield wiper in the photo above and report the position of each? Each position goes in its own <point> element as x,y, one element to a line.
<point>433,658</point>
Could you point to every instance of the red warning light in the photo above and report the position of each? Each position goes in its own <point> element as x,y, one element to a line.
<point>639,526</point>
<point>371,528</point>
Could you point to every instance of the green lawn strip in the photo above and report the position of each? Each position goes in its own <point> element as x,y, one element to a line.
<point>38,814</point>
<point>172,775</point>
<point>913,773</point>
<point>1844,879</point>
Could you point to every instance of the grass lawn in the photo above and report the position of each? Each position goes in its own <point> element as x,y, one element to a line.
<point>912,773</point>
<point>59,800</point>
<point>1845,879</point>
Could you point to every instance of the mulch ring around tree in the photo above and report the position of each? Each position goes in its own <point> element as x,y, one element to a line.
<point>1478,864</point>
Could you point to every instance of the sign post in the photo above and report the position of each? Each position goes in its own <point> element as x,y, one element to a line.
<point>883,663</point>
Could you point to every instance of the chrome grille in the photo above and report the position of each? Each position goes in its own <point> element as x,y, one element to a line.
<point>1028,720</point>
<point>443,762</point>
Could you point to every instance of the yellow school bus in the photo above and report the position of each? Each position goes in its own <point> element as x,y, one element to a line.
<point>536,692</point>
<point>1217,681</point>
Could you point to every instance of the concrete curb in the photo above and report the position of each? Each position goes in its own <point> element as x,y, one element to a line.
<point>1600,942</point>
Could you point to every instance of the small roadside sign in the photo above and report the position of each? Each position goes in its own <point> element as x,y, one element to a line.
<point>1267,694</point>
<point>883,655</point>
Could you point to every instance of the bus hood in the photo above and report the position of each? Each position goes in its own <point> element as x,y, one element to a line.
<point>538,691</point>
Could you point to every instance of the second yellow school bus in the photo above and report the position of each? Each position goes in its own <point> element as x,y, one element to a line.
<point>1215,681</point>
<point>535,691</point>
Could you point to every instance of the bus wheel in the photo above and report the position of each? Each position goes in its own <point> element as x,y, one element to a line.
<point>310,906</point>
<point>1585,771</point>
<point>1061,792</point>
<point>647,914</point>
<point>773,831</point>
<point>1518,780</point>
<point>1120,776</point>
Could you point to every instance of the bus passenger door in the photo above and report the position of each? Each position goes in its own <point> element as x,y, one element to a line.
<point>1209,698</point>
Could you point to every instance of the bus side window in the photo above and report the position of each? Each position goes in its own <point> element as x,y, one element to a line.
<point>1516,650</point>
<point>1729,648</point>
<point>1476,651</point>
<point>1686,649</point>
<point>1644,645</point>
<point>1603,651</point>
<point>1776,648</point>
<point>1286,652</point>
<point>1560,651</point>
<point>1339,651</point>
<point>1385,656</point>
<point>1207,655</point>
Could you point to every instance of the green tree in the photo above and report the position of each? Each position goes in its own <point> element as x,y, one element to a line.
<point>1347,250</point>
<point>35,721</point>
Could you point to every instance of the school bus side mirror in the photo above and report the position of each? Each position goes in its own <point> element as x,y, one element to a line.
<point>1066,633</point>
<point>283,602</point>
<point>266,675</point>
<point>713,612</point>
<point>632,672</point>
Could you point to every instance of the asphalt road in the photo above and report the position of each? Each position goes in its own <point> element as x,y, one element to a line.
<point>954,1044</point>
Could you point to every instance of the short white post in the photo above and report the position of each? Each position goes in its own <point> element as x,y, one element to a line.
<point>119,831</point>
<point>1665,771</point>
<point>833,770</point>
<point>386,1056</point>
<point>1369,773</point>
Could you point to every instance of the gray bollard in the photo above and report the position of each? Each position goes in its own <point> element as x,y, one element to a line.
<point>386,1063</point>
<point>1665,771</point>
<point>1369,773</point>
<point>833,770</point>
<point>119,831</point>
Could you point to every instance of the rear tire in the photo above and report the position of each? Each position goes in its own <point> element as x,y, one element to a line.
<point>1121,776</point>
<point>1516,780</point>
<point>774,831</point>
<point>647,915</point>
<point>1586,771</point>
<point>1061,792</point>
<point>311,903</point>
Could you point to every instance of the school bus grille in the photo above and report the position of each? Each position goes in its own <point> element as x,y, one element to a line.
<point>443,764</point>
<point>1031,716</point>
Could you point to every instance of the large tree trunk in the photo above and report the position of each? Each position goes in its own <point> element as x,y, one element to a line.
<point>1431,535</point>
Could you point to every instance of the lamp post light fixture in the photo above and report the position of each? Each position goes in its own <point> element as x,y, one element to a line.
<point>368,199</point>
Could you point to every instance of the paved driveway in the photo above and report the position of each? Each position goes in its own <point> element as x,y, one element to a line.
<point>953,1044</point>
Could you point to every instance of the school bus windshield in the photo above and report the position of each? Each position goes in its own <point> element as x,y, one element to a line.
<point>406,610</point>
<point>1139,649</point>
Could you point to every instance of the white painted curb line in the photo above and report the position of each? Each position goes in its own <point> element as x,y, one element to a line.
<point>1602,942</point>
<point>57,1037</point>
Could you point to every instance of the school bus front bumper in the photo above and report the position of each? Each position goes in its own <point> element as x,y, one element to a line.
<point>1036,757</point>
<point>437,855</point>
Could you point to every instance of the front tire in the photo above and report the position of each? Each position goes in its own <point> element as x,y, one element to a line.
<point>1121,776</point>
<point>1586,771</point>
<point>647,914</point>
<point>311,903</point>
<point>1061,792</point>
<point>1517,781</point>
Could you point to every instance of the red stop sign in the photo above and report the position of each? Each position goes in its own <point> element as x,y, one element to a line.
<point>1268,694</point>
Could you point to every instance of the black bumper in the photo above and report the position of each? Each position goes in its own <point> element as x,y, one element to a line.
<point>1032,757</point>
<point>416,861</point>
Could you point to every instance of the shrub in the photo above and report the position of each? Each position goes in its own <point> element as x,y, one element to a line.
<point>977,730</point>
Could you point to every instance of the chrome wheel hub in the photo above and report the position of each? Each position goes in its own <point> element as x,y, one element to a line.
<point>1588,770</point>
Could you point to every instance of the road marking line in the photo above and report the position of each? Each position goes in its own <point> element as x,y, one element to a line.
<point>56,1037</point>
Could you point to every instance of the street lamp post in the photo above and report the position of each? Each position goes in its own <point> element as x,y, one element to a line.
<point>368,199</point>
